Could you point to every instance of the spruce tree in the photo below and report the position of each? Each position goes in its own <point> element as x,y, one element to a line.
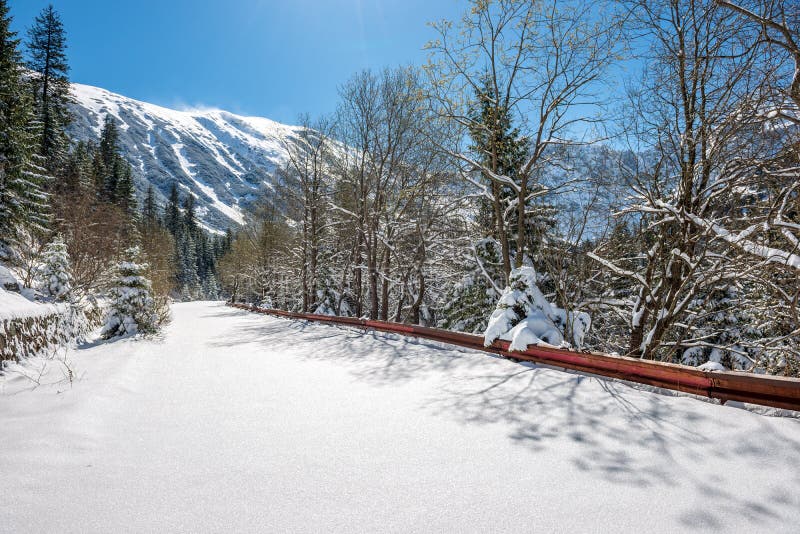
<point>149,211</point>
<point>77,172</point>
<point>124,196</point>
<point>470,302</point>
<point>54,273</point>
<point>189,215</point>
<point>133,309</point>
<point>188,281</point>
<point>109,137</point>
<point>107,164</point>
<point>22,201</point>
<point>494,136</point>
<point>172,211</point>
<point>98,171</point>
<point>228,241</point>
<point>47,58</point>
<point>113,175</point>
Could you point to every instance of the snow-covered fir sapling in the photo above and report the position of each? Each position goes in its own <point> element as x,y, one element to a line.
<point>133,309</point>
<point>524,317</point>
<point>55,280</point>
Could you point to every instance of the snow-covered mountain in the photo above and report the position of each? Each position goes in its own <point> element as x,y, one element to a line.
<point>227,161</point>
<point>224,160</point>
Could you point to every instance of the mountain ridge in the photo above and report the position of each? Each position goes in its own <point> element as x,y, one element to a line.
<point>226,161</point>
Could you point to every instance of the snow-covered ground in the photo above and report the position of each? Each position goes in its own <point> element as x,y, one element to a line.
<point>235,422</point>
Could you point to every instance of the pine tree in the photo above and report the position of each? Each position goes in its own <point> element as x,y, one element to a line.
<point>107,165</point>
<point>188,281</point>
<point>46,48</point>
<point>54,274</point>
<point>77,172</point>
<point>149,211</point>
<point>133,309</point>
<point>189,215</point>
<point>172,211</point>
<point>22,201</point>
<point>125,195</point>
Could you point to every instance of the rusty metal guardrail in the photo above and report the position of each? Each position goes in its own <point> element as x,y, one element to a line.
<point>766,390</point>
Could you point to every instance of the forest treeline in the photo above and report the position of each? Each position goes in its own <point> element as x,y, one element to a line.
<point>640,156</point>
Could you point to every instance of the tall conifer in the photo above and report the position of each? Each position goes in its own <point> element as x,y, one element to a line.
<point>149,211</point>
<point>47,58</point>
<point>22,201</point>
<point>172,211</point>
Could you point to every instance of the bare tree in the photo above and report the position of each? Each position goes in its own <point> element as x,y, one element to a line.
<point>306,190</point>
<point>542,62</point>
<point>693,123</point>
<point>96,233</point>
<point>380,175</point>
<point>779,29</point>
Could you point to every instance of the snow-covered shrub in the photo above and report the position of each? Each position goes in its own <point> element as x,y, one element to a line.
<point>524,317</point>
<point>55,280</point>
<point>132,307</point>
<point>325,302</point>
<point>472,299</point>
<point>731,325</point>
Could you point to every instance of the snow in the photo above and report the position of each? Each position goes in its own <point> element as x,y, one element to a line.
<point>15,306</point>
<point>541,322</point>
<point>712,366</point>
<point>254,132</point>
<point>8,280</point>
<point>237,422</point>
<point>186,167</point>
<point>741,239</point>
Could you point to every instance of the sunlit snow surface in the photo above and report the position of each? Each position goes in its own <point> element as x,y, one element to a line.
<point>224,160</point>
<point>236,422</point>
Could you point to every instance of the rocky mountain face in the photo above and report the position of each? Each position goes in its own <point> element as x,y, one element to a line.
<point>224,160</point>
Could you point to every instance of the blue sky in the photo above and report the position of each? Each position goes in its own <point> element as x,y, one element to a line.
<point>257,57</point>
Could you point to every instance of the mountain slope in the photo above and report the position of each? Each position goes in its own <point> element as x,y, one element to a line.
<point>224,160</point>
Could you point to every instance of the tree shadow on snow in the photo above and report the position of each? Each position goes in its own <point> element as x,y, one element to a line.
<point>377,357</point>
<point>636,438</point>
<point>618,432</point>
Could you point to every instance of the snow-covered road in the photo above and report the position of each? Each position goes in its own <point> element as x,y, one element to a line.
<point>236,422</point>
